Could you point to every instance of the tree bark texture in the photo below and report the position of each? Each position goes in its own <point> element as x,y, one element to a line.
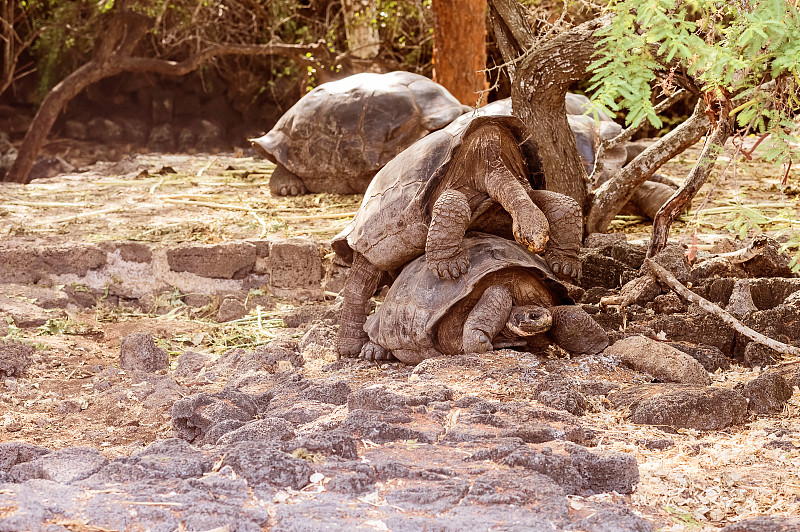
<point>608,200</point>
<point>459,48</point>
<point>697,176</point>
<point>363,39</point>
<point>112,63</point>
<point>511,32</point>
<point>538,92</point>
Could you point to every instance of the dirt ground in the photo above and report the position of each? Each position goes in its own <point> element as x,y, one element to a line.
<point>700,483</point>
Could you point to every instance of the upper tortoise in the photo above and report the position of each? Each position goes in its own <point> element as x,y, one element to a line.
<point>472,175</point>
<point>341,133</point>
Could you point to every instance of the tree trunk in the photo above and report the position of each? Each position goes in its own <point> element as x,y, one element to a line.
<point>8,43</point>
<point>363,39</point>
<point>698,175</point>
<point>511,31</point>
<point>538,92</point>
<point>612,195</point>
<point>459,48</point>
<point>46,116</point>
<point>113,64</point>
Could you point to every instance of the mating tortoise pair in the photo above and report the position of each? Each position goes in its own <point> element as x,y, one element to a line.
<point>473,175</point>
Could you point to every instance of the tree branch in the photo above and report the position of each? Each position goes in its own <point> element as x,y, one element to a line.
<point>95,70</point>
<point>611,196</point>
<point>698,175</point>
<point>667,278</point>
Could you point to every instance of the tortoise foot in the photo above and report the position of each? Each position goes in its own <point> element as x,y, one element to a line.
<point>477,342</point>
<point>350,346</point>
<point>374,352</point>
<point>564,265</point>
<point>284,183</point>
<point>450,267</point>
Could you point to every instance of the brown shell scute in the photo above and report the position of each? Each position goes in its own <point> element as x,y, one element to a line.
<point>418,299</point>
<point>346,130</point>
<point>397,204</point>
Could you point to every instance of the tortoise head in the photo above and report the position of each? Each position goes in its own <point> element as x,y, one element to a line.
<point>528,320</point>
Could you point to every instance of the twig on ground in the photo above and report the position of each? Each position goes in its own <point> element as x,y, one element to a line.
<point>156,185</point>
<point>82,215</point>
<point>755,248</point>
<point>210,204</point>
<point>262,223</point>
<point>205,168</point>
<point>43,204</point>
<point>667,278</point>
<point>332,216</point>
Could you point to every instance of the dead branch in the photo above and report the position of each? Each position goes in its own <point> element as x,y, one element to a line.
<point>697,176</point>
<point>611,196</point>
<point>115,63</point>
<point>667,278</point>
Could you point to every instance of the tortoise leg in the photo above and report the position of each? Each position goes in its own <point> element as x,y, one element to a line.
<point>566,232</point>
<point>284,183</point>
<point>375,352</point>
<point>576,331</point>
<point>505,181</point>
<point>361,283</point>
<point>486,319</point>
<point>449,220</point>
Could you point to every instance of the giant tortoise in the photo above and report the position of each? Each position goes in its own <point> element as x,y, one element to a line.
<point>508,294</point>
<point>473,174</point>
<point>341,133</point>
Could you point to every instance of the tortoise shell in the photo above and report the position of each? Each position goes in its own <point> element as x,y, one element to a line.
<point>341,133</point>
<point>418,300</point>
<point>391,224</point>
<point>588,132</point>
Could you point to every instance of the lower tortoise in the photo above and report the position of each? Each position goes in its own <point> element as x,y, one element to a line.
<point>507,295</point>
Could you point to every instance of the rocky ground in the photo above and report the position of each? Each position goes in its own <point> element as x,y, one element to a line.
<point>167,364</point>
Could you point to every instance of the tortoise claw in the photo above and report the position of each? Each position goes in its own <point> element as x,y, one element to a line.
<point>350,347</point>
<point>375,353</point>
<point>451,267</point>
<point>477,342</point>
<point>564,266</point>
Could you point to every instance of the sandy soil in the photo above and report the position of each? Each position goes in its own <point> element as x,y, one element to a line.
<point>703,480</point>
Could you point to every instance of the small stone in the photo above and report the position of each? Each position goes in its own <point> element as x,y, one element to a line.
<point>765,524</point>
<point>139,352</point>
<point>711,358</point>
<point>231,309</point>
<point>683,406</point>
<point>758,355</point>
<point>15,357</point>
<point>767,393</point>
<point>12,425</point>
<point>191,363</point>
<point>561,394</point>
<point>296,269</point>
<point>70,406</point>
<point>659,359</point>
<point>231,260</point>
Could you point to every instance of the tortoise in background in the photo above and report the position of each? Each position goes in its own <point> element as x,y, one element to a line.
<point>472,175</point>
<point>341,133</point>
<point>508,294</point>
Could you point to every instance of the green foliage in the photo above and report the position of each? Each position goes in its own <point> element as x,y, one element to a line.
<point>729,49</point>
